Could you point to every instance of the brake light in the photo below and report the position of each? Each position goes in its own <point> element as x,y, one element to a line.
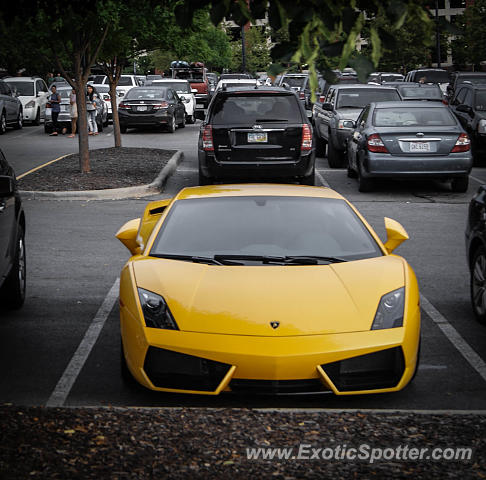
<point>445,102</point>
<point>123,106</point>
<point>306,138</point>
<point>207,139</point>
<point>322,98</point>
<point>302,95</point>
<point>463,144</point>
<point>106,97</point>
<point>375,144</point>
<point>48,105</point>
<point>158,106</point>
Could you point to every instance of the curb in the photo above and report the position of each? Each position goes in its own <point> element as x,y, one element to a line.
<point>113,193</point>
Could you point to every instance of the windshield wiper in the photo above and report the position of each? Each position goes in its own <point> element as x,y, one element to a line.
<point>287,260</point>
<point>194,259</point>
<point>312,259</point>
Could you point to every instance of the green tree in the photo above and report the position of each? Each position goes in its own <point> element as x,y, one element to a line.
<point>257,53</point>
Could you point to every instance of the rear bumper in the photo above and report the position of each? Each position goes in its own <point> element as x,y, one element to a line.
<point>129,120</point>
<point>384,165</point>
<point>301,167</point>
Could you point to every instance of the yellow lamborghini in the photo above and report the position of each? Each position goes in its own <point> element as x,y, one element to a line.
<point>266,289</point>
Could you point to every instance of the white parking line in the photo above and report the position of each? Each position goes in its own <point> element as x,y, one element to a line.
<point>322,179</point>
<point>477,179</point>
<point>66,382</point>
<point>454,337</point>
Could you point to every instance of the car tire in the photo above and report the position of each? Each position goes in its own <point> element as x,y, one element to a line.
<point>19,123</point>
<point>191,119</point>
<point>171,126</point>
<point>123,129</point>
<point>203,179</point>
<point>309,179</point>
<point>13,288</point>
<point>183,122</point>
<point>3,123</point>
<point>460,184</point>
<point>351,173</point>
<point>100,127</point>
<point>334,156</point>
<point>36,120</point>
<point>364,184</point>
<point>478,284</point>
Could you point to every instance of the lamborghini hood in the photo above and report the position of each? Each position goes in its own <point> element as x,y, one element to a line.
<point>244,300</point>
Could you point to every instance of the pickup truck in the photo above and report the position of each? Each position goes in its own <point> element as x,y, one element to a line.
<point>195,73</point>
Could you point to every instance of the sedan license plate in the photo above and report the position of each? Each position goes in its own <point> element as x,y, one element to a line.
<point>259,137</point>
<point>199,105</point>
<point>64,108</point>
<point>420,147</point>
<point>142,108</point>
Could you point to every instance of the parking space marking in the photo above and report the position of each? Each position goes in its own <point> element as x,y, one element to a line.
<point>322,179</point>
<point>477,179</point>
<point>455,338</point>
<point>43,165</point>
<point>66,382</point>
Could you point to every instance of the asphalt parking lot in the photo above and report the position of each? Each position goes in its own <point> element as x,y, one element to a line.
<point>74,261</point>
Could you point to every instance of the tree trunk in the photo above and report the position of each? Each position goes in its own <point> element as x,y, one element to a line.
<point>81,80</point>
<point>114,112</point>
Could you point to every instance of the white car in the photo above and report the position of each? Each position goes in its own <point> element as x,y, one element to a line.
<point>183,89</point>
<point>33,93</point>
<point>236,82</point>
<point>125,83</point>
<point>103,91</point>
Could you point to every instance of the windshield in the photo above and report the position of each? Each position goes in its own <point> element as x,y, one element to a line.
<point>359,98</point>
<point>474,79</point>
<point>421,92</point>
<point>266,226</point>
<point>402,117</point>
<point>64,92</point>
<point>224,76</point>
<point>391,78</point>
<point>249,109</point>
<point>481,100</point>
<point>146,94</point>
<point>125,82</point>
<point>179,87</point>
<point>23,88</point>
<point>101,88</point>
<point>296,82</point>
<point>432,76</point>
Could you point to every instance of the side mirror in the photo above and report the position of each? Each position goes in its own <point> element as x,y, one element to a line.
<point>327,106</point>
<point>395,233</point>
<point>193,90</point>
<point>128,236</point>
<point>349,124</point>
<point>7,186</point>
<point>464,108</point>
<point>39,94</point>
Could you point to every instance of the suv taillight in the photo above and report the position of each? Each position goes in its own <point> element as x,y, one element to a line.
<point>463,144</point>
<point>302,95</point>
<point>207,139</point>
<point>306,137</point>
<point>375,144</point>
<point>322,98</point>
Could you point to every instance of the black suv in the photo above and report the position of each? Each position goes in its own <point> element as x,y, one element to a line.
<point>459,78</point>
<point>12,246</point>
<point>469,106</point>
<point>256,132</point>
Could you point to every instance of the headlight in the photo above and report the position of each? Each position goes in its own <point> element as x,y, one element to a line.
<point>155,311</point>
<point>30,104</point>
<point>482,126</point>
<point>390,310</point>
<point>341,125</point>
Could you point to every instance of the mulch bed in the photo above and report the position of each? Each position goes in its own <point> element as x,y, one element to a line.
<point>97,443</point>
<point>110,168</point>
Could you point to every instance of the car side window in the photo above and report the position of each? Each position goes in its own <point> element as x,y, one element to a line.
<point>363,117</point>
<point>7,89</point>
<point>4,168</point>
<point>330,96</point>
<point>460,97</point>
<point>469,97</point>
<point>170,96</point>
<point>38,86</point>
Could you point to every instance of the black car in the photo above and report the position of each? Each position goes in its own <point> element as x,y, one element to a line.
<point>10,108</point>
<point>12,245</point>
<point>469,106</point>
<point>459,78</point>
<point>476,252</point>
<point>256,132</point>
<point>152,106</point>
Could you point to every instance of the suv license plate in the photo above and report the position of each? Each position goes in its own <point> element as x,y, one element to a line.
<point>420,147</point>
<point>260,137</point>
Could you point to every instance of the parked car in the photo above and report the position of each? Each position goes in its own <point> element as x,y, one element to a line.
<point>195,74</point>
<point>184,91</point>
<point>300,83</point>
<point>236,82</point>
<point>234,76</point>
<point>385,77</point>
<point>32,92</point>
<point>256,132</point>
<point>476,253</point>
<point>141,79</point>
<point>152,106</point>
<point>104,92</point>
<point>266,289</point>
<point>11,114</point>
<point>420,91</point>
<point>344,103</point>
<point>64,118</point>
<point>12,239</point>
<point>408,140</point>
<point>125,83</point>
<point>458,78</point>
<point>430,75</point>
<point>469,106</point>
<point>151,78</point>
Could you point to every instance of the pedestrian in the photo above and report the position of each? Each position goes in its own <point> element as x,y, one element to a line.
<point>58,78</point>
<point>50,78</point>
<point>73,112</point>
<point>55,101</point>
<point>91,104</point>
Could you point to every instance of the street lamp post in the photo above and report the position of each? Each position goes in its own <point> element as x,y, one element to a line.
<point>243,49</point>
<point>437,33</point>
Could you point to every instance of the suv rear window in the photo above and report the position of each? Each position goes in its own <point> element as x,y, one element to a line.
<point>251,108</point>
<point>432,76</point>
<point>360,97</point>
<point>294,81</point>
